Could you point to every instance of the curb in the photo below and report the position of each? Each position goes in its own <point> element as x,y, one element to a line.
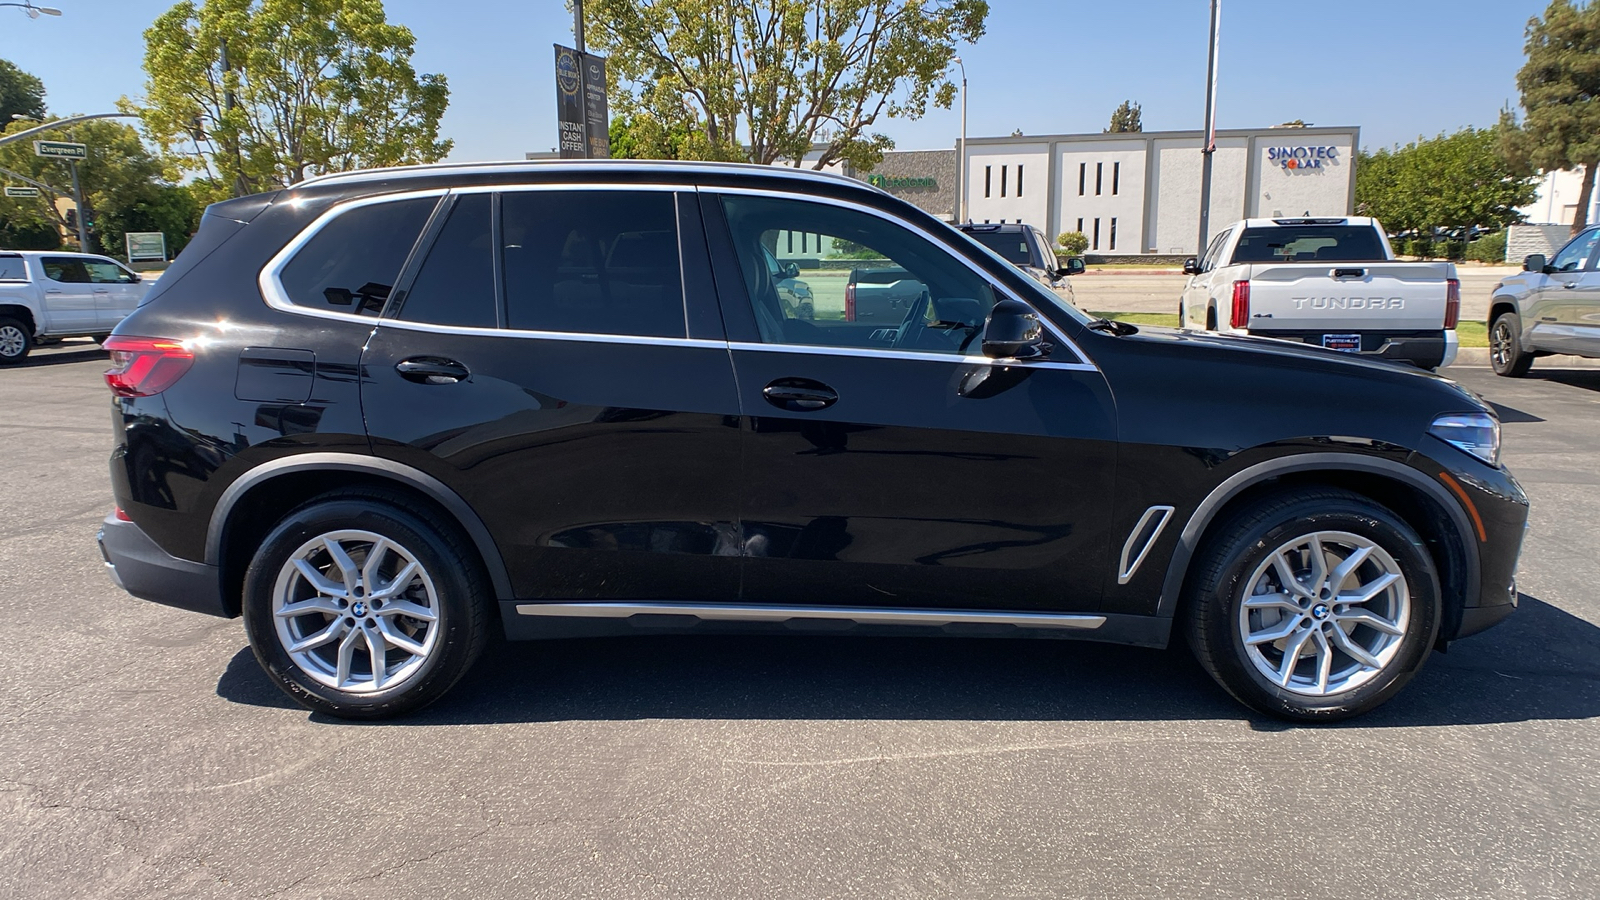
<point>1479,356</point>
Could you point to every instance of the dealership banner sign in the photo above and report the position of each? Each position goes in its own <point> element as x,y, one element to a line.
<point>1295,158</point>
<point>581,113</point>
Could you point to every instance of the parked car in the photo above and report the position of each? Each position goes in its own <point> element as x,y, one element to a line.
<point>49,295</point>
<point>1026,247</point>
<point>1548,307</point>
<point>881,295</point>
<point>379,414</point>
<point>1330,282</point>
<point>793,294</point>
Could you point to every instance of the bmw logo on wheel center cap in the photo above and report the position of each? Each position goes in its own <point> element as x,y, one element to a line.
<point>1319,611</point>
<point>359,608</point>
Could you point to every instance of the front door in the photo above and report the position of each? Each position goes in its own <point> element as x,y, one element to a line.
<point>69,300</point>
<point>542,363</point>
<point>891,466</point>
<point>1572,285</point>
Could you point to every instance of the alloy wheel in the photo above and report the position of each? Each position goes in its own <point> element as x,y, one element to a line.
<point>1324,613</point>
<point>356,611</point>
<point>1500,344</point>
<point>12,341</point>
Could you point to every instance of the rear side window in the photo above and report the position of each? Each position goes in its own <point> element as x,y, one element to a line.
<point>456,283</point>
<point>65,269</point>
<point>594,262</point>
<point>1309,243</point>
<point>351,264</point>
<point>12,268</point>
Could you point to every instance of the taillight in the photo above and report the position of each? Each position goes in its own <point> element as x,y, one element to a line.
<point>850,303</point>
<point>142,366</point>
<point>121,516</point>
<point>1452,303</point>
<point>1241,304</point>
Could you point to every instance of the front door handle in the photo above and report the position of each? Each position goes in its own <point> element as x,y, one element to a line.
<point>800,394</point>
<point>1570,285</point>
<point>431,370</point>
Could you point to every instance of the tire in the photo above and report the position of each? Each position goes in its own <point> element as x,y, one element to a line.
<point>1239,561</point>
<point>1183,315</point>
<point>422,659</point>
<point>1506,354</point>
<point>16,341</point>
<point>1211,319</point>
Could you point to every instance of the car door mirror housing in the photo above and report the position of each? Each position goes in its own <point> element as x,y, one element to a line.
<point>1534,263</point>
<point>1074,266</point>
<point>1013,332</point>
<point>1191,266</point>
<point>791,270</point>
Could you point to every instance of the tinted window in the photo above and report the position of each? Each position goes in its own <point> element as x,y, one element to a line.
<point>65,269</point>
<point>456,284</point>
<point>1309,243</point>
<point>12,268</point>
<point>595,262</point>
<point>904,292</point>
<point>107,272</point>
<point>1209,261</point>
<point>1575,255</point>
<point>352,263</point>
<point>1012,246</point>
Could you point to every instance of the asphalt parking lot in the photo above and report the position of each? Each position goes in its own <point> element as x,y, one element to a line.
<point>143,753</point>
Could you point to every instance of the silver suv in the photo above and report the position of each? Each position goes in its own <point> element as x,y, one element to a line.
<point>1548,307</point>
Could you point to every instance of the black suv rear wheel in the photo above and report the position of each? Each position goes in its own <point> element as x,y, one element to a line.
<point>1316,605</point>
<point>358,607</point>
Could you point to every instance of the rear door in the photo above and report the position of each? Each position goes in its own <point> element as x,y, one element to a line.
<point>540,359</point>
<point>116,292</point>
<point>906,471</point>
<point>69,300</point>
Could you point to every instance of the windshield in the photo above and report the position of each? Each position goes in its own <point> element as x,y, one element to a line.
<point>1011,246</point>
<point>1310,243</point>
<point>1035,292</point>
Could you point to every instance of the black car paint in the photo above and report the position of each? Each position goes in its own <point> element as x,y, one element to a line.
<point>930,483</point>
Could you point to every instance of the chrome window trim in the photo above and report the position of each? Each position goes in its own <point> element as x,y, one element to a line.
<point>988,277</point>
<point>576,336</point>
<point>861,615</point>
<point>588,166</point>
<point>914,355</point>
<point>1125,569</point>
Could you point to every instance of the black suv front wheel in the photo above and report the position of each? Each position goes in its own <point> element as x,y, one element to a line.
<point>1316,605</point>
<point>358,607</point>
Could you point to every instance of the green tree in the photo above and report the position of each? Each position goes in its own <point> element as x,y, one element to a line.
<point>256,95</point>
<point>1072,243</point>
<point>1125,119</point>
<point>763,80</point>
<point>1453,182</point>
<point>21,94</point>
<point>1560,85</point>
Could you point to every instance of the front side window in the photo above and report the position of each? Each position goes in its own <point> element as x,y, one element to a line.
<point>455,285</point>
<point>65,269</point>
<point>1576,255</point>
<point>880,286</point>
<point>1209,261</point>
<point>107,272</point>
<point>351,264</point>
<point>593,262</point>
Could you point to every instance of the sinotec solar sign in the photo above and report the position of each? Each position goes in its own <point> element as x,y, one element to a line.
<point>1294,158</point>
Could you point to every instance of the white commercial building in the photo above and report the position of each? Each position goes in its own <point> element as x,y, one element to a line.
<point>1139,193</point>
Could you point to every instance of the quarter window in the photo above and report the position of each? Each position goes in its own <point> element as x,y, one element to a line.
<point>456,283</point>
<point>883,287</point>
<point>592,262</point>
<point>351,264</point>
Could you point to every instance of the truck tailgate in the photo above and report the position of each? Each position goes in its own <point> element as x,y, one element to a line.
<point>1333,297</point>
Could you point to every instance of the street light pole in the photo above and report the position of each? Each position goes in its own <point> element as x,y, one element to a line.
<point>1210,140</point>
<point>961,155</point>
<point>77,198</point>
<point>34,11</point>
<point>577,25</point>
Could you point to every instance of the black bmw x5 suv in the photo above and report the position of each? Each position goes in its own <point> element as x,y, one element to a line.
<point>381,414</point>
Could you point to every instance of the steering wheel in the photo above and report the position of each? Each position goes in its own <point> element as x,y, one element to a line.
<point>914,324</point>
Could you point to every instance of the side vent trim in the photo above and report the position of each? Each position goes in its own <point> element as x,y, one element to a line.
<point>1141,539</point>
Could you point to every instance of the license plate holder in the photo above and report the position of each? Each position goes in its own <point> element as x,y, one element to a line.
<point>1347,343</point>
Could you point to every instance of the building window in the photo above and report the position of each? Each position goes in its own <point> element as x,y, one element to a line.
<point>1099,177</point>
<point>791,242</point>
<point>1116,177</point>
<point>803,239</point>
<point>1003,180</point>
<point>987,171</point>
<point>1019,179</point>
<point>1097,234</point>
<point>1080,226</point>
<point>1083,177</point>
<point>1113,233</point>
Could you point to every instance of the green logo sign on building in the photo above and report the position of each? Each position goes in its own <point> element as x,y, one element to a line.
<point>903,182</point>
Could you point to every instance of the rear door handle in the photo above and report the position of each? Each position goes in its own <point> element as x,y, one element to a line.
<point>800,394</point>
<point>431,370</point>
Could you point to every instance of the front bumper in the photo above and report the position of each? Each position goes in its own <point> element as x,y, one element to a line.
<point>148,572</point>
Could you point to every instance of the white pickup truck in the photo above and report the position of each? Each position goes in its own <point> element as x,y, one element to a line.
<point>1329,282</point>
<point>48,295</point>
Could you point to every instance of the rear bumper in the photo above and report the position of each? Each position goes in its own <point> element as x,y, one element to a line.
<point>148,572</point>
<point>1427,349</point>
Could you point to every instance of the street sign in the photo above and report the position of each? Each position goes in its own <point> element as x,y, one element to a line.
<point>146,245</point>
<point>12,191</point>
<point>61,150</point>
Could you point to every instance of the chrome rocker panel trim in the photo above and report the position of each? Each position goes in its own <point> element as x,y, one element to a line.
<point>859,615</point>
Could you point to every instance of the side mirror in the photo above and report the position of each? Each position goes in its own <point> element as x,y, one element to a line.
<point>791,270</point>
<point>1534,263</point>
<point>1074,266</point>
<point>1191,266</point>
<point>1013,332</point>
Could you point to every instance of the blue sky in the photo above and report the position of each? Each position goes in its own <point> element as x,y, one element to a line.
<point>1397,68</point>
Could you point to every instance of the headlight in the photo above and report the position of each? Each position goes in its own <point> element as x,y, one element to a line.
<point>1475,433</point>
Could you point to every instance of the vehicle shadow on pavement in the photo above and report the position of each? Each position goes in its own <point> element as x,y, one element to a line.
<point>1588,379</point>
<point>1541,664</point>
<point>61,358</point>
